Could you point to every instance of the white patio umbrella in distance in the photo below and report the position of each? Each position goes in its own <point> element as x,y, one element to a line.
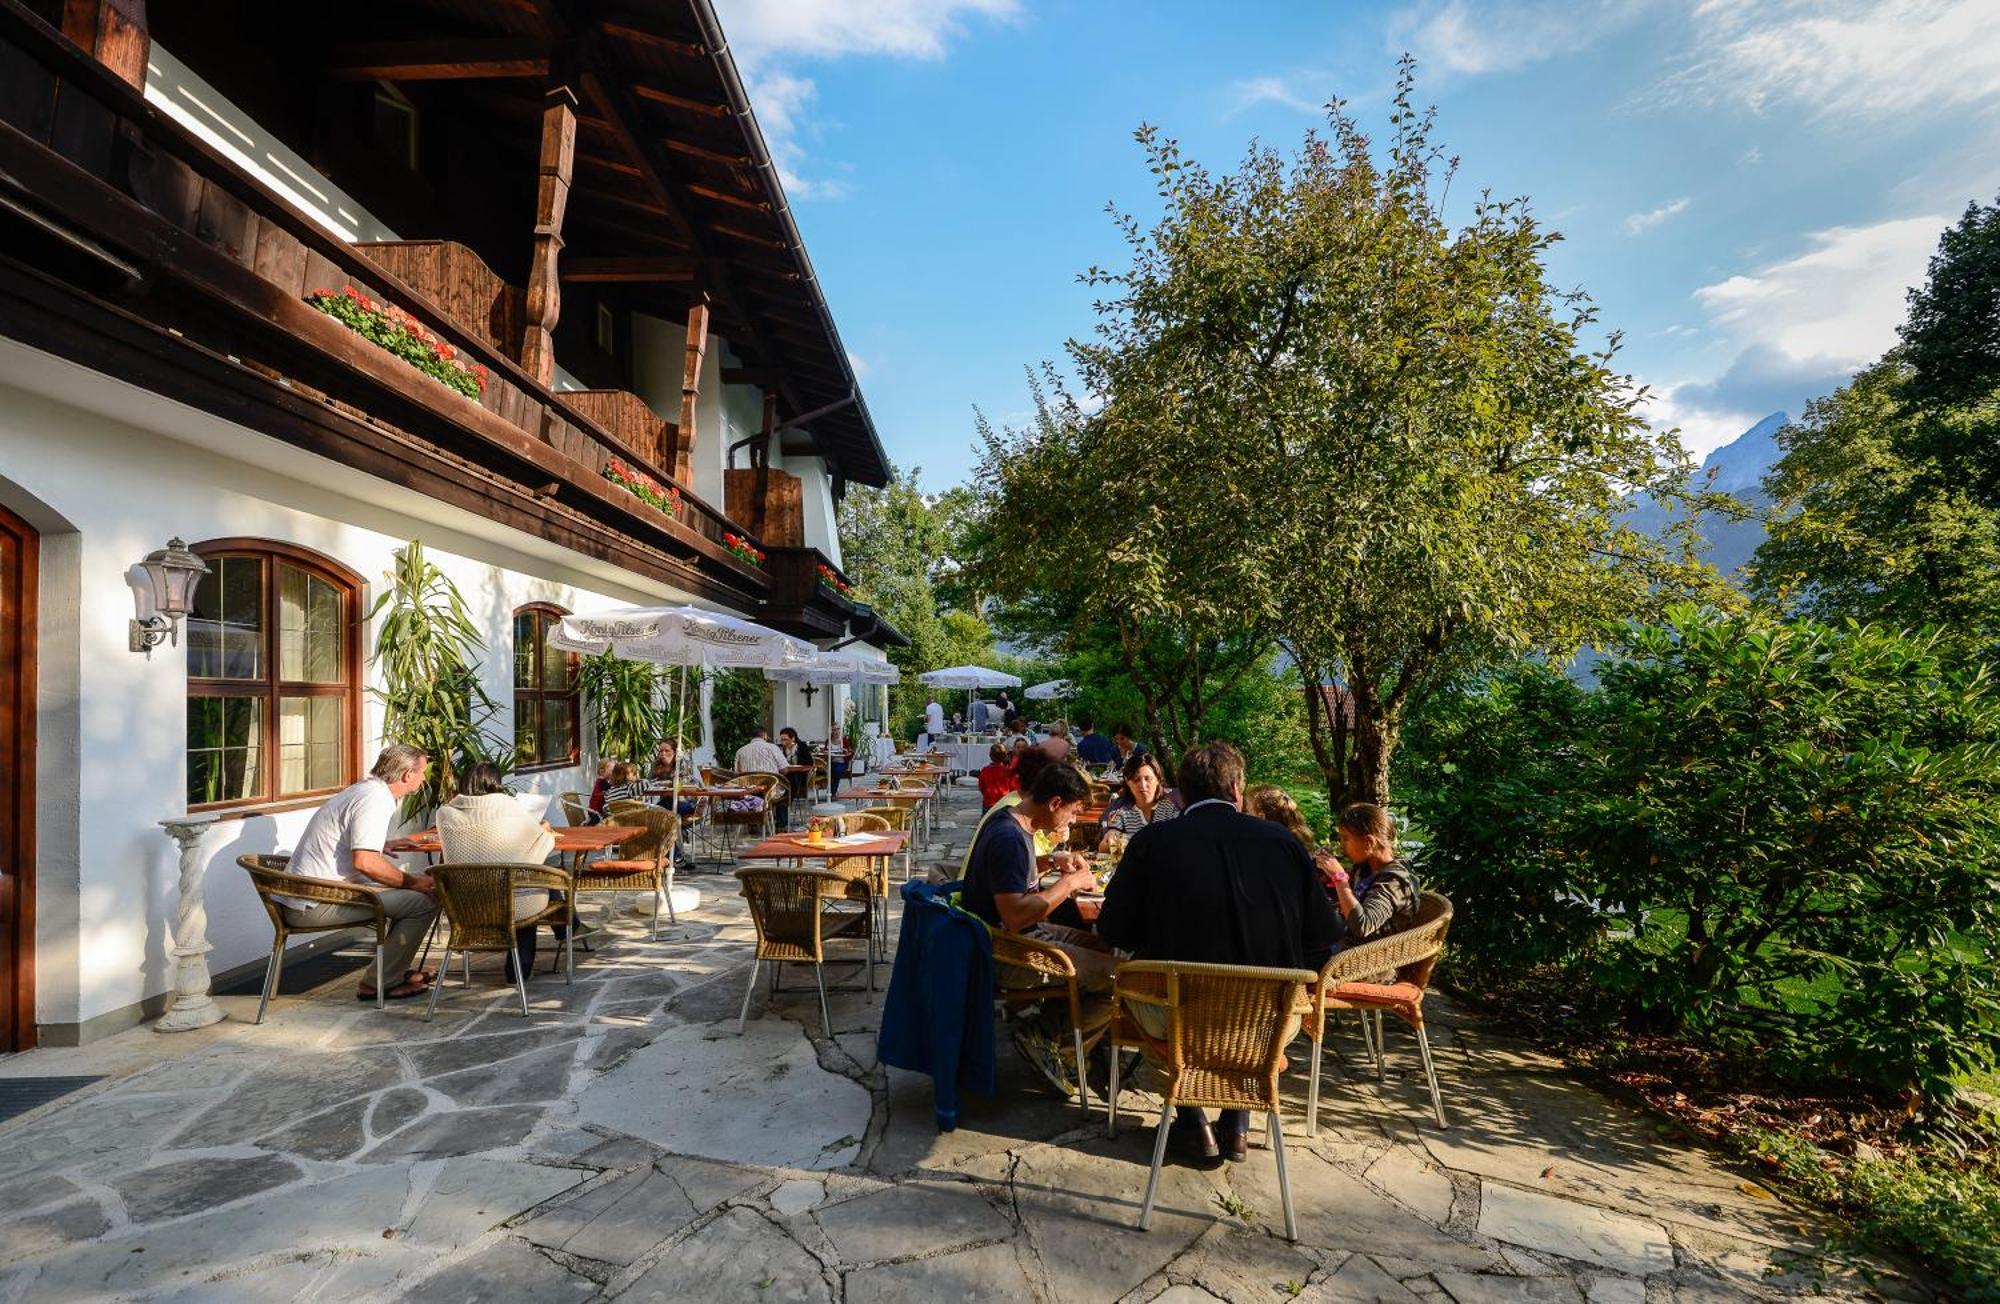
<point>1051,690</point>
<point>971,678</point>
<point>830,668</point>
<point>681,636</point>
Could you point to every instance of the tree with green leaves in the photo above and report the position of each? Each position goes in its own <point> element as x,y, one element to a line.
<point>904,549</point>
<point>1323,413</point>
<point>1888,493</point>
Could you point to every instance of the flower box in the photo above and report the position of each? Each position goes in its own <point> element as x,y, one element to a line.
<point>743,550</point>
<point>830,578</point>
<point>644,487</point>
<point>392,329</point>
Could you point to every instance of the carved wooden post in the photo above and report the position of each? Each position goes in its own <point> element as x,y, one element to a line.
<point>697,349</point>
<point>544,307</point>
<point>192,1008</point>
<point>112,31</point>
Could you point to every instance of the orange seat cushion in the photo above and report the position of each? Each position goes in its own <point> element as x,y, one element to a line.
<point>1404,999</point>
<point>616,867</point>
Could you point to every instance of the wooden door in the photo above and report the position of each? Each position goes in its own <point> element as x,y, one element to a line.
<point>19,559</point>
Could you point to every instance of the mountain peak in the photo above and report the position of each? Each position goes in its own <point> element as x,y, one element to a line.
<point>1741,464</point>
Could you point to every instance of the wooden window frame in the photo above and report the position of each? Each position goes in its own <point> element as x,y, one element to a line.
<point>275,554</point>
<point>540,695</point>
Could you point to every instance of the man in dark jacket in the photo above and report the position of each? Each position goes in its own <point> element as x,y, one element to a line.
<point>1217,886</point>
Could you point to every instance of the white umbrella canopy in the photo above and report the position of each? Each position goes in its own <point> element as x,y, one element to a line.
<point>969,677</point>
<point>1054,688</point>
<point>682,636</point>
<point>835,668</point>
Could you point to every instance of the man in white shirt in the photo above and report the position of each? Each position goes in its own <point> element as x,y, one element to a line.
<point>934,719</point>
<point>343,843</point>
<point>760,755</point>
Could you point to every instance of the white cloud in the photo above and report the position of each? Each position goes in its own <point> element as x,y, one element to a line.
<point>1751,157</point>
<point>768,37</point>
<point>1849,58</point>
<point>1798,327</point>
<point>1286,91</point>
<point>826,29</point>
<point>1640,223</point>
<point>1459,36</point>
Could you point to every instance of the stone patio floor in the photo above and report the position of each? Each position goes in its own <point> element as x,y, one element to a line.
<point>624,1143</point>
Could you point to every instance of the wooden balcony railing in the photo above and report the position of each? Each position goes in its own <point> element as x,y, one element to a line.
<point>82,150</point>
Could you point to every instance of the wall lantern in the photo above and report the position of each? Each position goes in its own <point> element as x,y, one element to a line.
<point>171,574</point>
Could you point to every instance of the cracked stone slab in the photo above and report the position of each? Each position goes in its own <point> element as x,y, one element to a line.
<point>796,1196</point>
<point>1411,1176</point>
<point>1634,1246</point>
<point>739,1256</point>
<point>1615,1290</point>
<point>759,1099</point>
<point>444,1056</point>
<point>1338,1211</point>
<point>323,1276</point>
<point>1492,1288</point>
<point>505,1271</point>
<point>1233,1263</point>
<point>462,1132</point>
<point>192,1185</point>
<point>1360,1280</point>
<point>295,1086</point>
<point>99,1135</point>
<point>988,1272</point>
<point>1080,1205</point>
<point>469,1197</point>
<point>39,1233</point>
<point>616,1222</point>
<point>540,1075</point>
<point>347,1212</point>
<point>330,1134</point>
<point>917,1218</point>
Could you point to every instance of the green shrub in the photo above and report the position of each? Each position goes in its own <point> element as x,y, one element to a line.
<point>1781,836</point>
<point>742,701</point>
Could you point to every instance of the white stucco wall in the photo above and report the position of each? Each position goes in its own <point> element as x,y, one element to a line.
<point>110,473</point>
<point>816,486</point>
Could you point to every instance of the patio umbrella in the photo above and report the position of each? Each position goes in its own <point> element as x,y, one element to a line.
<point>1051,690</point>
<point>969,677</point>
<point>830,668</point>
<point>681,636</point>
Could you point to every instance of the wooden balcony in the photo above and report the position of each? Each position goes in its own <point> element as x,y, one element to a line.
<point>130,246</point>
<point>800,603</point>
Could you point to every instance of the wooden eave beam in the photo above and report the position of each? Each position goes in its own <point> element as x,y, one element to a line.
<point>693,150</point>
<point>654,95</point>
<point>625,29</point>
<point>724,197</point>
<point>438,60</point>
<point>634,271</point>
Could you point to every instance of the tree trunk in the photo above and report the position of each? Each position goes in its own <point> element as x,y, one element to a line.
<point>1375,737</point>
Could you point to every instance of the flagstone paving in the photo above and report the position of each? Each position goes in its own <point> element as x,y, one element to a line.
<point>623,1142</point>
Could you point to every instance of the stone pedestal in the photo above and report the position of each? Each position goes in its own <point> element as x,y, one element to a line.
<point>192,1007</point>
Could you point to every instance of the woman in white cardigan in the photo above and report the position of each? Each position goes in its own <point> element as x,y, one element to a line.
<point>485,825</point>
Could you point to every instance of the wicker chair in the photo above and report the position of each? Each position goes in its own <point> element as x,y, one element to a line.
<point>625,806</point>
<point>484,913</point>
<point>1049,967</point>
<point>788,910</point>
<point>763,821</point>
<point>904,748</point>
<point>645,863</point>
<point>1348,982</point>
<point>1227,1026</point>
<point>272,879</point>
<point>575,808</point>
<point>900,818</point>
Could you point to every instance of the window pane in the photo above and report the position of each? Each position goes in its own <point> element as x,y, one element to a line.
<point>226,628</point>
<point>525,732</point>
<point>555,666</point>
<point>225,749</point>
<point>309,628</point>
<point>555,728</point>
<point>524,649</point>
<point>308,744</point>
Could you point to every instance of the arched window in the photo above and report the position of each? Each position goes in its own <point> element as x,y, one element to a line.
<point>545,697</point>
<point>273,660</point>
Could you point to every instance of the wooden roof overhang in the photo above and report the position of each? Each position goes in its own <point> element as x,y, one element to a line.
<point>675,196</point>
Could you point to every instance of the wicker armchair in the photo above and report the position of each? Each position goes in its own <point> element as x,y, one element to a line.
<point>1045,966</point>
<point>900,818</point>
<point>788,910</point>
<point>625,806</point>
<point>484,913</point>
<point>575,808</point>
<point>645,862</point>
<point>1349,982</point>
<point>1224,1047</point>
<point>271,878</point>
<point>761,821</point>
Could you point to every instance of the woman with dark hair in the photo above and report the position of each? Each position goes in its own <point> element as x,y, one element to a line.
<point>1383,895</point>
<point>796,753</point>
<point>485,825</point>
<point>1143,798</point>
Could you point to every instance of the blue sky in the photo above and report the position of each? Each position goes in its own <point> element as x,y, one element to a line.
<point>1746,186</point>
